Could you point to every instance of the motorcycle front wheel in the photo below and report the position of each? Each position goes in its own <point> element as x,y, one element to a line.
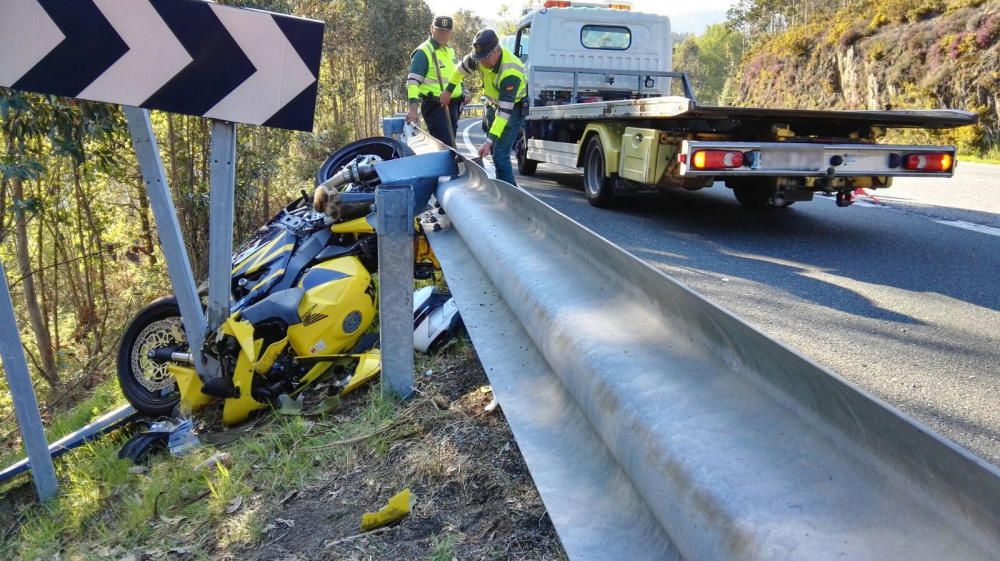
<point>148,385</point>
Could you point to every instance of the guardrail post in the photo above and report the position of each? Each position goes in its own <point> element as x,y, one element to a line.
<point>29,420</point>
<point>169,230</point>
<point>393,126</point>
<point>394,224</point>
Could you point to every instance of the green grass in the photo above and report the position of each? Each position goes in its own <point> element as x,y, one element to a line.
<point>105,397</point>
<point>442,548</point>
<point>103,505</point>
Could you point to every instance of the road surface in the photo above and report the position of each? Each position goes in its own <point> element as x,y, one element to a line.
<point>901,298</point>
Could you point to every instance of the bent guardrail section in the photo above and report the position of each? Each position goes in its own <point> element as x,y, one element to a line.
<point>738,446</point>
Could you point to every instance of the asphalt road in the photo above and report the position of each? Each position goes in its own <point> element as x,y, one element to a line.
<point>901,298</point>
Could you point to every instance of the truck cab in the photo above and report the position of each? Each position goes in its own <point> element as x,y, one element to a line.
<point>603,38</point>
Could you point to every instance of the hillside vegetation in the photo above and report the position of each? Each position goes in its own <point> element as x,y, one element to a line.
<point>865,54</point>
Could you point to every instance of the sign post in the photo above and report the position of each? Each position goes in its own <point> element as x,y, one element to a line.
<point>23,395</point>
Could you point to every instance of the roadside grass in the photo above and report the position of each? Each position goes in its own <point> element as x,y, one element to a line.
<point>186,504</point>
<point>105,397</point>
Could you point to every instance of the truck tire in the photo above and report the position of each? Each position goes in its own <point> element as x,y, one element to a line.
<point>525,166</point>
<point>596,184</point>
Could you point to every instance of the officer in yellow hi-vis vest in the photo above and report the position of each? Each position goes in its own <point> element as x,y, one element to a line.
<point>431,64</point>
<point>505,85</point>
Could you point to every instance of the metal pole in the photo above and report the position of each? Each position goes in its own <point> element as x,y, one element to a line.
<point>169,230</point>
<point>220,224</point>
<point>23,394</point>
<point>393,127</point>
<point>394,224</point>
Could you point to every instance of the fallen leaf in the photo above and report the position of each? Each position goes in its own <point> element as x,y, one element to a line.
<point>234,505</point>
<point>130,557</point>
<point>268,528</point>
<point>138,469</point>
<point>171,520</point>
<point>287,523</point>
<point>180,550</point>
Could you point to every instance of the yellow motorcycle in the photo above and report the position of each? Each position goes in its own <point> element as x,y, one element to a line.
<point>302,302</point>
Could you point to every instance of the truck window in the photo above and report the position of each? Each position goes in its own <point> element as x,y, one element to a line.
<point>521,44</point>
<point>608,37</point>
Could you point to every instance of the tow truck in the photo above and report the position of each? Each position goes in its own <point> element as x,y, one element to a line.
<point>603,96</point>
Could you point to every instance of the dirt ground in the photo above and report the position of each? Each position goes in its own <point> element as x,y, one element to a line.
<point>474,497</point>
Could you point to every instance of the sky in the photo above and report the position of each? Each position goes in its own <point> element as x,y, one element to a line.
<point>685,17</point>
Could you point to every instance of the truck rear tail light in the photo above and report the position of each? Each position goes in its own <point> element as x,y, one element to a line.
<point>558,4</point>
<point>717,159</point>
<point>929,162</point>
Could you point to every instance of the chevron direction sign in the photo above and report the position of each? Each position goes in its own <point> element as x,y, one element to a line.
<point>181,56</point>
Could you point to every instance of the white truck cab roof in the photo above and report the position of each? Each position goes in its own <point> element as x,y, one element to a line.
<point>603,38</point>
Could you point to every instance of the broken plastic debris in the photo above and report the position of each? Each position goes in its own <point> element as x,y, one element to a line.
<point>397,508</point>
<point>182,438</point>
<point>289,405</point>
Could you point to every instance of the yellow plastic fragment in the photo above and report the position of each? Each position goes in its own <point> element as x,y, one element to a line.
<point>369,366</point>
<point>396,509</point>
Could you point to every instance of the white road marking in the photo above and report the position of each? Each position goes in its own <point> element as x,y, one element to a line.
<point>971,226</point>
<point>472,150</point>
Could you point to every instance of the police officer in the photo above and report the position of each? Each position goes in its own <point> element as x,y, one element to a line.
<point>506,87</point>
<point>431,64</point>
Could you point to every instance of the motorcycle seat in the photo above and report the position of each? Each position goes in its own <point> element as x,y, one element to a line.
<point>282,305</point>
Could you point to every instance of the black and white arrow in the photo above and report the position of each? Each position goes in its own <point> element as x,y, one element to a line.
<point>183,56</point>
<point>154,57</point>
<point>89,46</point>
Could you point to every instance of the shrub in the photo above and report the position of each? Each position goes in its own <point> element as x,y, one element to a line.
<point>989,29</point>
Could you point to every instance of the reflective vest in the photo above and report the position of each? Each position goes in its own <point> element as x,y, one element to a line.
<point>427,85</point>
<point>508,65</point>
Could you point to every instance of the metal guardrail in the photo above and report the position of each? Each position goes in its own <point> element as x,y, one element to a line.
<point>658,426</point>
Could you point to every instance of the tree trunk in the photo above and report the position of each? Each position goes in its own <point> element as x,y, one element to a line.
<point>44,341</point>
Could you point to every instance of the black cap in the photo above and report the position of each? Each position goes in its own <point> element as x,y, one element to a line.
<point>444,22</point>
<point>484,43</point>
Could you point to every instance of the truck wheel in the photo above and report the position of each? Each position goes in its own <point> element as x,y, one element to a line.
<point>148,386</point>
<point>753,195</point>
<point>525,166</point>
<point>596,184</point>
